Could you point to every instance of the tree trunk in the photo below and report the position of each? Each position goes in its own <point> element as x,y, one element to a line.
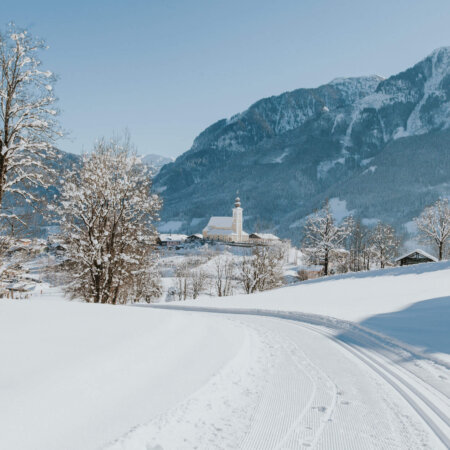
<point>325,264</point>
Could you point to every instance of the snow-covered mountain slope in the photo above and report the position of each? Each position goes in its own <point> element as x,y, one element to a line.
<point>285,154</point>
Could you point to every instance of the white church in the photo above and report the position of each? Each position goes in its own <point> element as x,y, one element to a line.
<point>227,229</point>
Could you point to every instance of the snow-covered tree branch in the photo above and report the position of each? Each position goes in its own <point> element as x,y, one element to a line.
<point>28,126</point>
<point>322,237</point>
<point>434,225</point>
<point>263,270</point>
<point>107,214</point>
<point>384,243</point>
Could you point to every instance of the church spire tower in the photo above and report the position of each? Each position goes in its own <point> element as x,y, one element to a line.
<point>237,219</point>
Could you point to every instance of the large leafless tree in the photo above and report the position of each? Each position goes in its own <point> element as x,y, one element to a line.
<point>322,237</point>
<point>28,125</point>
<point>107,215</point>
<point>434,226</point>
<point>384,244</point>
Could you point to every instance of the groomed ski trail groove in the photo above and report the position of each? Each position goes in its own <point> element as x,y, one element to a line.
<point>435,417</point>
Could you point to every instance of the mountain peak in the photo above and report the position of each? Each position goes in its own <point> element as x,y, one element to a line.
<point>440,50</point>
<point>289,152</point>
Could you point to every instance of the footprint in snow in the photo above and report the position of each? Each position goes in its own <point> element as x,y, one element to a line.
<point>321,409</point>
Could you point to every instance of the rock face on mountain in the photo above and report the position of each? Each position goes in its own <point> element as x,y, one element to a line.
<point>380,147</point>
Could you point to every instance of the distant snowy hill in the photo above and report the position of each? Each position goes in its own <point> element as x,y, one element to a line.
<point>380,147</point>
<point>156,161</point>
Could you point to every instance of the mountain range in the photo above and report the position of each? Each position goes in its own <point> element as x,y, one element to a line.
<point>156,161</point>
<point>377,148</point>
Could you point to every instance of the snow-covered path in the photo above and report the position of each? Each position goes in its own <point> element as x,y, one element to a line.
<point>308,386</point>
<point>267,371</point>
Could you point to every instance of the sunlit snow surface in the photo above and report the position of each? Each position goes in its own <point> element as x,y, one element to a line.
<point>78,375</point>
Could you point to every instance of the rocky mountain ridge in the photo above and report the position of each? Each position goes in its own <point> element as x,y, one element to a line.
<point>286,154</point>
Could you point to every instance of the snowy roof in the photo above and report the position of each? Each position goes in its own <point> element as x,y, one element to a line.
<point>266,236</point>
<point>421,252</point>
<point>172,237</point>
<point>220,222</point>
<point>196,235</point>
<point>20,287</point>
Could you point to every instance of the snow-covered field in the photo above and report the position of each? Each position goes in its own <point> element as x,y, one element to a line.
<point>75,375</point>
<point>362,363</point>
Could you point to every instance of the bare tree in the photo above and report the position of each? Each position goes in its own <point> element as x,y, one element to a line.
<point>434,225</point>
<point>107,213</point>
<point>182,281</point>
<point>225,268</point>
<point>28,126</point>
<point>262,270</point>
<point>357,244</point>
<point>384,243</point>
<point>322,236</point>
<point>198,281</point>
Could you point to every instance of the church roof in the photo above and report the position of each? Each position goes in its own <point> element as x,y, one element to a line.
<point>220,222</point>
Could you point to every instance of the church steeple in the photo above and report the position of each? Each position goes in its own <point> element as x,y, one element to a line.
<point>237,219</point>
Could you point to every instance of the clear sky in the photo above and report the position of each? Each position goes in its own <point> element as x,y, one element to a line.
<point>166,69</point>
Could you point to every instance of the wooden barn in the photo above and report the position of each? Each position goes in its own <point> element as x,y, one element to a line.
<point>415,257</point>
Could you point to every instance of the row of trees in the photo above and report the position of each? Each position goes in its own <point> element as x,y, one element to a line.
<point>353,246</point>
<point>107,209</point>
<point>260,270</point>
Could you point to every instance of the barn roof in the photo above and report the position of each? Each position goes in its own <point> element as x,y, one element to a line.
<point>196,235</point>
<point>421,252</point>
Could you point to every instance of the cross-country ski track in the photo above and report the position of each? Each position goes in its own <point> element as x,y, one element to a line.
<point>324,383</point>
<point>351,362</point>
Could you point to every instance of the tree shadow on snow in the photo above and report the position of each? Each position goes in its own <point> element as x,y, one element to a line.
<point>424,325</point>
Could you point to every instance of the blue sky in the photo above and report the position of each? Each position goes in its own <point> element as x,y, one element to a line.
<point>167,69</point>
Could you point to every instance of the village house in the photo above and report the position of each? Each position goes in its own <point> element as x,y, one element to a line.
<point>171,240</point>
<point>415,257</point>
<point>197,237</point>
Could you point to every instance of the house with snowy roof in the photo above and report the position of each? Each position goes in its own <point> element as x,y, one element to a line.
<point>170,240</point>
<point>417,256</point>
<point>228,229</point>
